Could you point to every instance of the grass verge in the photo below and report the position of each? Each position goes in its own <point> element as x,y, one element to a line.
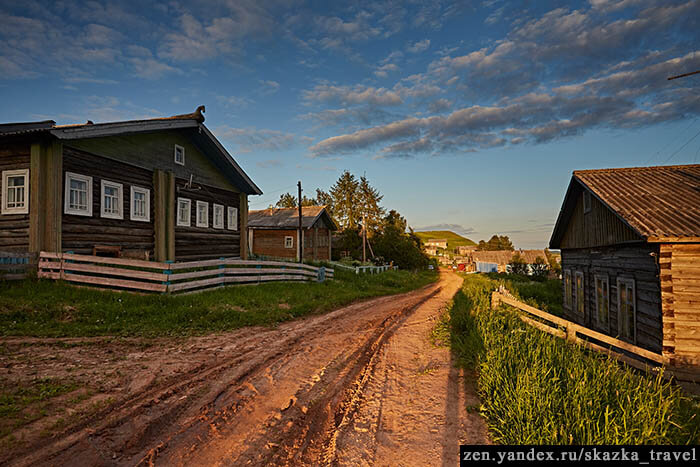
<point>53,309</point>
<point>545,294</point>
<point>538,389</point>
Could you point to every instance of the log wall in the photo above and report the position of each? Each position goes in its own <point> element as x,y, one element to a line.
<point>270,243</point>
<point>638,262</point>
<point>82,233</point>
<point>680,292</point>
<point>14,228</point>
<point>193,243</point>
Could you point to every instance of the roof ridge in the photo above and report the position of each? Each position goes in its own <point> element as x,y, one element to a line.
<point>632,169</point>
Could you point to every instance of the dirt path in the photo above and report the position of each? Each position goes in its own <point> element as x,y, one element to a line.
<point>360,385</point>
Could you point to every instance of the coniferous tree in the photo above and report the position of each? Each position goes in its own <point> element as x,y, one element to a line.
<point>369,207</point>
<point>345,198</point>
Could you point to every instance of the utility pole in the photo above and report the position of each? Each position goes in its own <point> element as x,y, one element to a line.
<point>364,237</point>
<point>301,231</point>
<point>683,75</point>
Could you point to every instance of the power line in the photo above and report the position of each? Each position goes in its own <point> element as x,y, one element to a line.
<point>668,145</point>
<point>272,192</point>
<point>684,145</point>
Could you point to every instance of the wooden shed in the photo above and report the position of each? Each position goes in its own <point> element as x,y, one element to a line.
<point>163,189</point>
<point>630,255</point>
<point>274,233</point>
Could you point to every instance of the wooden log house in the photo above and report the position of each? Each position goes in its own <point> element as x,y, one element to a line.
<point>274,233</point>
<point>630,255</point>
<point>163,189</point>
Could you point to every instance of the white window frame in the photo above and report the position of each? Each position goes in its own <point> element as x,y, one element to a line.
<point>621,335</point>
<point>603,278</point>
<point>66,201</point>
<point>289,241</point>
<point>204,205</point>
<point>232,218</point>
<point>217,208</point>
<point>120,199</point>
<point>568,294</point>
<point>188,220</point>
<point>147,196</point>
<point>182,162</point>
<point>6,174</point>
<point>580,274</point>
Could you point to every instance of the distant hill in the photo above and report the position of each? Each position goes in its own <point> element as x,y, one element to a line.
<point>453,240</point>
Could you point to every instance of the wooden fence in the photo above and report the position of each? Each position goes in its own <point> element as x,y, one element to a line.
<point>15,266</point>
<point>169,277</point>
<point>365,269</point>
<point>623,351</point>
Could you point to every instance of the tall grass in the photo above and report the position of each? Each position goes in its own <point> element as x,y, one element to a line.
<point>542,293</point>
<point>538,389</point>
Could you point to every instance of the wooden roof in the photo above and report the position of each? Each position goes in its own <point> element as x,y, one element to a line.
<point>503,257</point>
<point>288,218</point>
<point>191,124</point>
<point>658,203</point>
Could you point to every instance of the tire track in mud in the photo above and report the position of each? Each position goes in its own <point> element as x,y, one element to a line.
<point>185,412</point>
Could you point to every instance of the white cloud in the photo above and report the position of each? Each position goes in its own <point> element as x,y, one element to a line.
<point>419,46</point>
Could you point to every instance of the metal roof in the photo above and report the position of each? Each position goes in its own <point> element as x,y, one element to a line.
<point>191,123</point>
<point>658,203</point>
<point>288,218</point>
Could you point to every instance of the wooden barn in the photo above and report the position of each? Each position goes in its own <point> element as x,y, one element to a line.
<point>630,255</point>
<point>274,233</point>
<point>163,188</point>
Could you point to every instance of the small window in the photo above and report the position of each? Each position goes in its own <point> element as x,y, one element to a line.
<point>78,195</point>
<point>567,288</point>
<point>626,310</point>
<point>112,200</point>
<point>602,302</point>
<point>232,218</point>
<point>15,194</point>
<point>184,212</point>
<point>218,221</point>
<point>580,294</point>
<point>289,242</point>
<point>586,201</point>
<point>202,214</point>
<point>140,204</point>
<point>179,155</point>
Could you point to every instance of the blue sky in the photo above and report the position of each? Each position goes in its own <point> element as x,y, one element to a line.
<point>466,115</point>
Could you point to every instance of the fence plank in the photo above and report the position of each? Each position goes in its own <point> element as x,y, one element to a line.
<point>127,284</point>
<point>116,261</point>
<point>153,276</point>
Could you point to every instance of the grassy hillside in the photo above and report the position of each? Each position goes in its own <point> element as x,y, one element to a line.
<point>453,240</point>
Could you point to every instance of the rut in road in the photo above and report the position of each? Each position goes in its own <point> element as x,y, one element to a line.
<point>178,420</point>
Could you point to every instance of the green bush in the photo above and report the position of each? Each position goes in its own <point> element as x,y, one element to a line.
<point>539,389</point>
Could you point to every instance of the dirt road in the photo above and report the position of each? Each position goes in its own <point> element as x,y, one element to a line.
<point>362,385</point>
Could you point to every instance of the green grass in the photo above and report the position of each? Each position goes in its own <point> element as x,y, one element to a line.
<point>53,309</point>
<point>453,240</point>
<point>544,294</point>
<point>21,405</point>
<point>539,389</point>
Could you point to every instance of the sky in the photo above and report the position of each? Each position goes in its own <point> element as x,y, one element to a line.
<point>467,115</point>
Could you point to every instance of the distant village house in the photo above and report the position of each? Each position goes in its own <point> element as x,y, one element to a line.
<point>274,233</point>
<point>437,243</point>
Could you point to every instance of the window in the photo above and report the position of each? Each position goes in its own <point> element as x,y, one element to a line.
<point>586,202</point>
<point>602,301</point>
<point>626,310</point>
<point>218,221</point>
<point>112,200</point>
<point>184,207</point>
<point>322,239</point>
<point>15,195</point>
<point>78,195</point>
<point>567,288</point>
<point>289,242</point>
<point>202,214</point>
<point>140,204</point>
<point>580,294</point>
<point>179,155</point>
<point>232,218</point>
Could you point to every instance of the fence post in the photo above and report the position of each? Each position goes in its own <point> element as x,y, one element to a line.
<point>495,300</point>
<point>571,334</point>
<point>321,274</point>
<point>168,272</point>
<point>222,273</point>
